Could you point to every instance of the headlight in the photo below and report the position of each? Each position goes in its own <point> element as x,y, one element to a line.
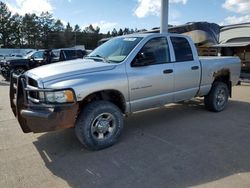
<point>65,96</point>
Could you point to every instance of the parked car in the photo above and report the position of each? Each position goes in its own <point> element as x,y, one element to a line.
<point>39,58</point>
<point>20,65</point>
<point>125,75</point>
<point>4,58</point>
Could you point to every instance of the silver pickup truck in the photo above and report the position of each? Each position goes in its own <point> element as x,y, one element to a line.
<point>124,75</point>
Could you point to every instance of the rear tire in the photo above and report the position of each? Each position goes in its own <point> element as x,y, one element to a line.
<point>99,125</point>
<point>217,98</point>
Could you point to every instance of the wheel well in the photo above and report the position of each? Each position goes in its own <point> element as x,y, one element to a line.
<point>224,76</point>
<point>108,95</point>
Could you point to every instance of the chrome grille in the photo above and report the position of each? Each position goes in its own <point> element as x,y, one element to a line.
<point>31,87</point>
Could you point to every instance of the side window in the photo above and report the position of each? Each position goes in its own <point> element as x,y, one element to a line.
<point>73,54</point>
<point>38,55</point>
<point>55,53</point>
<point>155,51</point>
<point>70,54</point>
<point>182,49</point>
<point>80,53</point>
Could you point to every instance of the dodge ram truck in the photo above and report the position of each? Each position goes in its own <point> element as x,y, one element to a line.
<point>126,74</point>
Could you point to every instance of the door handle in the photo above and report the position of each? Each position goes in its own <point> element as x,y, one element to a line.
<point>168,71</point>
<point>195,67</point>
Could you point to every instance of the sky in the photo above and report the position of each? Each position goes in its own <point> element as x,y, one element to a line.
<point>140,14</point>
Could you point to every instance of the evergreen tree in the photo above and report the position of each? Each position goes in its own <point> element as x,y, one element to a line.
<point>56,38</point>
<point>16,36</point>
<point>77,28</point>
<point>108,34</point>
<point>68,28</point>
<point>126,31</point>
<point>58,26</point>
<point>90,29</point>
<point>69,37</point>
<point>5,24</point>
<point>43,31</point>
<point>120,32</point>
<point>46,22</point>
<point>97,30</point>
<point>114,32</point>
<point>31,30</point>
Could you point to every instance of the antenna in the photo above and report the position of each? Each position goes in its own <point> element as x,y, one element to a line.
<point>164,16</point>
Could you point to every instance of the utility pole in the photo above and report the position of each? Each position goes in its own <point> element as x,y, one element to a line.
<point>164,16</point>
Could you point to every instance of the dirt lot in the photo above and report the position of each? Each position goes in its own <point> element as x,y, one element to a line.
<point>179,145</point>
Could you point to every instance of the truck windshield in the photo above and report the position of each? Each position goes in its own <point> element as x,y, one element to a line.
<point>115,50</point>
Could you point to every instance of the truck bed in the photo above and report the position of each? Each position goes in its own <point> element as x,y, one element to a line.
<point>210,66</point>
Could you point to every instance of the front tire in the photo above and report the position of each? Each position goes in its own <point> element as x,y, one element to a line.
<point>217,98</point>
<point>99,125</point>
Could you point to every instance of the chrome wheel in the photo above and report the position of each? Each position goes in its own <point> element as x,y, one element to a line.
<point>221,97</point>
<point>103,126</point>
<point>99,125</point>
<point>217,98</point>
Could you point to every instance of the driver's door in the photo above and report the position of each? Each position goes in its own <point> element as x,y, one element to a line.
<point>151,76</point>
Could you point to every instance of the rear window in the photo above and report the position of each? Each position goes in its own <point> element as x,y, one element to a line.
<point>182,49</point>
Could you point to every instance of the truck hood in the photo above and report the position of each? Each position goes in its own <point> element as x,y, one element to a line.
<point>62,70</point>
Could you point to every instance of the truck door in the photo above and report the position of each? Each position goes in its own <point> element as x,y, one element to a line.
<point>187,69</point>
<point>151,76</point>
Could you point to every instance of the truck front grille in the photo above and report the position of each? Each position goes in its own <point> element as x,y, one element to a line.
<point>27,89</point>
<point>32,92</point>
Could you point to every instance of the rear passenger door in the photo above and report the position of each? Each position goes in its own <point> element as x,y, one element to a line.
<point>186,68</point>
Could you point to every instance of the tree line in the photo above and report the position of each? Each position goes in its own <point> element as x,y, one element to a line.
<point>43,31</point>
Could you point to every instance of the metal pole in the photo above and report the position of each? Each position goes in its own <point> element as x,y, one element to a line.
<point>164,16</point>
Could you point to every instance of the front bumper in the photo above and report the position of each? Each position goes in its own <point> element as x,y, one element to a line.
<point>39,117</point>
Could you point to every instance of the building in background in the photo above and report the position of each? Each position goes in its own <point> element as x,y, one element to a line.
<point>204,34</point>
<point>235,41</point>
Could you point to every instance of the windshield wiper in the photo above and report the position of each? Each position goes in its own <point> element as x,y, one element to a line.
<point>98,57</point>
